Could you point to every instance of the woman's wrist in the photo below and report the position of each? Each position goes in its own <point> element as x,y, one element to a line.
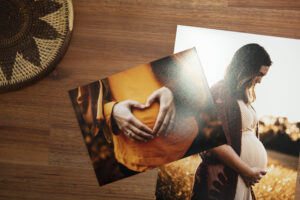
<point>246,171</point>
<point>114,126</point>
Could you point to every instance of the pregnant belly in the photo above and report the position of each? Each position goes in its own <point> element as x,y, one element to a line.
<point>253,151</point>
<point>141,156</point>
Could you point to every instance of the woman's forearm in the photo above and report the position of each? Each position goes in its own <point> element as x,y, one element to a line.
<point>229,157</point>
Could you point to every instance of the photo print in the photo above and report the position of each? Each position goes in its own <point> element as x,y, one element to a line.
<point>254,82</point>
<point>147,116</point>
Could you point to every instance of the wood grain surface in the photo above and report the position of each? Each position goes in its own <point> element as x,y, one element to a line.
<point>42,153</point>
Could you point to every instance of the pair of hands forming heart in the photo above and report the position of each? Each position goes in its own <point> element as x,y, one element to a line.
<point>136,130</point>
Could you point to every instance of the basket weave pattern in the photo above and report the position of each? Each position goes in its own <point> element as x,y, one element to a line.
<point>34,36</point>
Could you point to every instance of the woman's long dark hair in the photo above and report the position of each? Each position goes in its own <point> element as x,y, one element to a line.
<point>244,67</point>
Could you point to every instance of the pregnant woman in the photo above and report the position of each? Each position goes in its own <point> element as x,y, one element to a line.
<point>229,171</point>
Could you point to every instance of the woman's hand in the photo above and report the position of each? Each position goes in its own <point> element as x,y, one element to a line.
<point>127,122</point>
<point>229,157</point>
<point>253,176</point>
<point>165,119</point>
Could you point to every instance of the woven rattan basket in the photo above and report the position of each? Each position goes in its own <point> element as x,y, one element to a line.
<point>34,35</point>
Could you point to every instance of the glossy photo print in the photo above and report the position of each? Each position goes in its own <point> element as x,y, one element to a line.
<point>254,81</point>
<point>147,116</point>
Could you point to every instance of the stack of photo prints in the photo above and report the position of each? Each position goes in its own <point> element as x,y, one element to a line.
<point>217,118</point>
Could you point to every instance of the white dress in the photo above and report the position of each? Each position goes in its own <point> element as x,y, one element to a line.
<point>252,150</point>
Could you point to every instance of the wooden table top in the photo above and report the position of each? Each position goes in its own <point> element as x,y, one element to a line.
<point>42,154</point>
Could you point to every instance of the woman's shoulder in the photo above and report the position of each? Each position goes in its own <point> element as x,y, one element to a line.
<point>219,89</point>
